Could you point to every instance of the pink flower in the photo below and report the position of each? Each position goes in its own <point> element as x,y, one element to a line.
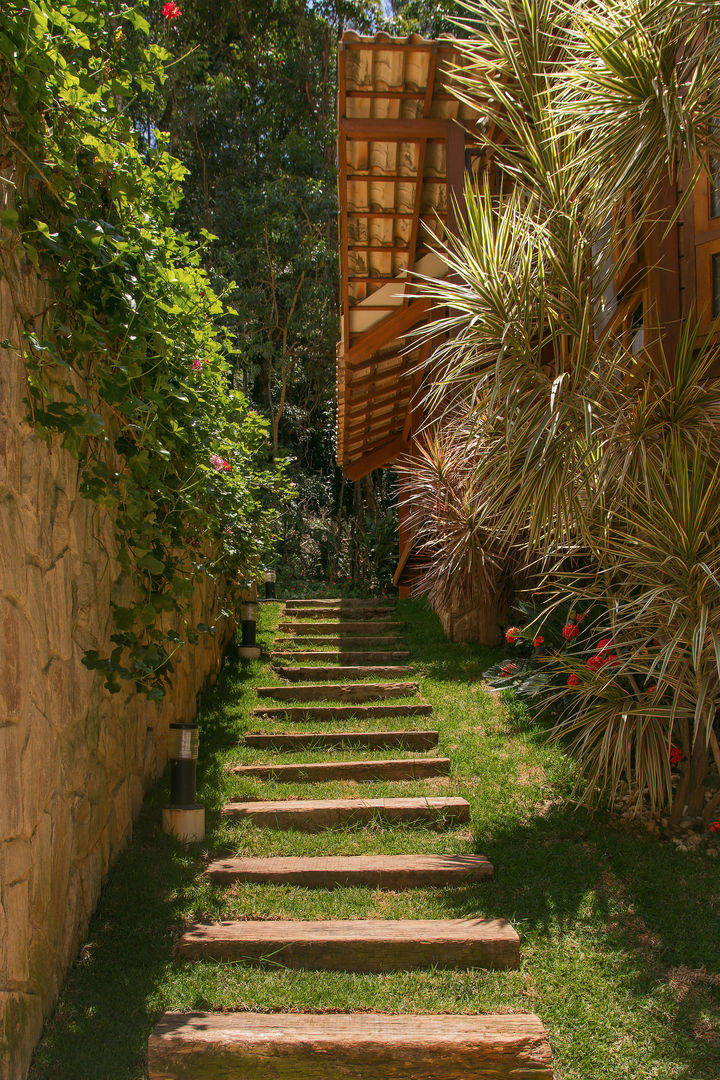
<point>675,755</point>
<point>508,669</point>
<point>220,464</point>
<point>197,364</point>
<point>538,641</point>
<point>570,631</point>
<point>171,10</point>
<point>573,680</point>
<point>228,531</point>
<point>512,634</point>
<point>293,484</point>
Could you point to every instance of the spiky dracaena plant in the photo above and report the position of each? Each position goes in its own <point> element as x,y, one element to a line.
<point>591,447</point>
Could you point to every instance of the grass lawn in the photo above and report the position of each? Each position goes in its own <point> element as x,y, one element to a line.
<point>620,931</point>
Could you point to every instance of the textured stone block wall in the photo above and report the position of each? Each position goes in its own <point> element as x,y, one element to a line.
<point>74,759</point>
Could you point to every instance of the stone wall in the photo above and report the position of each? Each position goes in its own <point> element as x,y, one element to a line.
<point>74,759</point>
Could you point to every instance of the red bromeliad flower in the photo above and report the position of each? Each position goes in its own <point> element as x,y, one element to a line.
<point>675,755</point>
<point>595,663</point>
<point>570,631</point>
<point>573,680</point>
<point>714,826</point>
<point>652,688</point>
<point>604,643</point>
<point>171,11</point>
<point>537,641</point>
<point>512,634</point>
<point>508,669</point>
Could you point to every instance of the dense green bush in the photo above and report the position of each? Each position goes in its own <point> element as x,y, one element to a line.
<point>128,367</point>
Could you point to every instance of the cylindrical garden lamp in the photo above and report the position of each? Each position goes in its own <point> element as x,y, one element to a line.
<point>270,579</point>
<point>248,624</point>
<point>184,817</point>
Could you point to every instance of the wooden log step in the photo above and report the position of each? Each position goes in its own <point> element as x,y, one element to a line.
<point>311,815</point>
<point>346,657</point>
<point>348,1046</point>
<point>378,871</point>
<point>294,740</point>
<point>372,769</point>
<point>342,643</point>
<point>355,671</point>
<point>334,610</point>
<point>350,603</point>
<point>298,714</point>
<point>339,691</point>
<point>355,627</point>
<point>356,944</point>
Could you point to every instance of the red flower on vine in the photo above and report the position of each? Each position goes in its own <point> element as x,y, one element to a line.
<point>508,669</point>
<point>675,755</point>
<point>570,631</point>
<point>573,680</point>
<point>171,11</point>
<point>197,364</point>
<point>537,641</point>
<point>220,464</point>
<point>512,634</point>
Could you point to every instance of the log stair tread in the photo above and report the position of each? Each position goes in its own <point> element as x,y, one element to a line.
<point>354,671</point>
<point>295,740</point>
<point>348,657</point>
<point>355,627</point>
<point>372,610</point>
<point>333,641</point>
<point>338,691</point>
<point>370,769</point>
<point>378,871</point>
<point>340,601</point>
<point>300,713</point>
<point>362,945</point>
<point>349,1046</point>
<point>315,814</point>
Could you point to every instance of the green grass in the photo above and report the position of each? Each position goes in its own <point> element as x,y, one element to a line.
<point>621,932</point>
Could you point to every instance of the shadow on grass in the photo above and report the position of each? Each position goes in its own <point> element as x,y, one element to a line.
<point>113,993</point>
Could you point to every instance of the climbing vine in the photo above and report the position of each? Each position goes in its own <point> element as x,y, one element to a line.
<point>127,368</point>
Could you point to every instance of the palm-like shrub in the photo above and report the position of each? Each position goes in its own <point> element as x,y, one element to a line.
<point>595,458</point>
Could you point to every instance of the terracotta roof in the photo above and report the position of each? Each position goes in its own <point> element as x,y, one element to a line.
<point>401,149</point>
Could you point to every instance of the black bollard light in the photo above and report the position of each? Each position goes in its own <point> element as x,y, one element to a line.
<point>270,579</point>
<point>248,623</point>
<point>184,817</point>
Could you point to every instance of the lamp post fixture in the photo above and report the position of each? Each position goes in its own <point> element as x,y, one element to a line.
<point>249,649</point>
<point>270,579</point>
<point>184,817</point>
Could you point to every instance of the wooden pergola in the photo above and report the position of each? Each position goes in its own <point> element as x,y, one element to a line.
<point>402,139</point>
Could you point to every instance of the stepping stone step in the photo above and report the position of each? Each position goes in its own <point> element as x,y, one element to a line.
<point>350,1046</point>
<point>373,769</point>
<point>341,657</point>
<point>379,871</point>
<point>299,674</point>
<point>356,944</point>
<point>339,691</point>
<point>311,815</point>
<point>293,740</point>
<point>359,627</point>
<point>298,714</point>
<point>343,643</point>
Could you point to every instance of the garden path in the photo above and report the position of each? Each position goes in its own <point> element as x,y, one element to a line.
<point>348,669</point>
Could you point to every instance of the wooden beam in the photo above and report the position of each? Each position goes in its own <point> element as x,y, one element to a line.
<point>394,129</point>
<point>394,326</point>
<point>397,46</point>
<point>456,176</point>
<point>383,455</point>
